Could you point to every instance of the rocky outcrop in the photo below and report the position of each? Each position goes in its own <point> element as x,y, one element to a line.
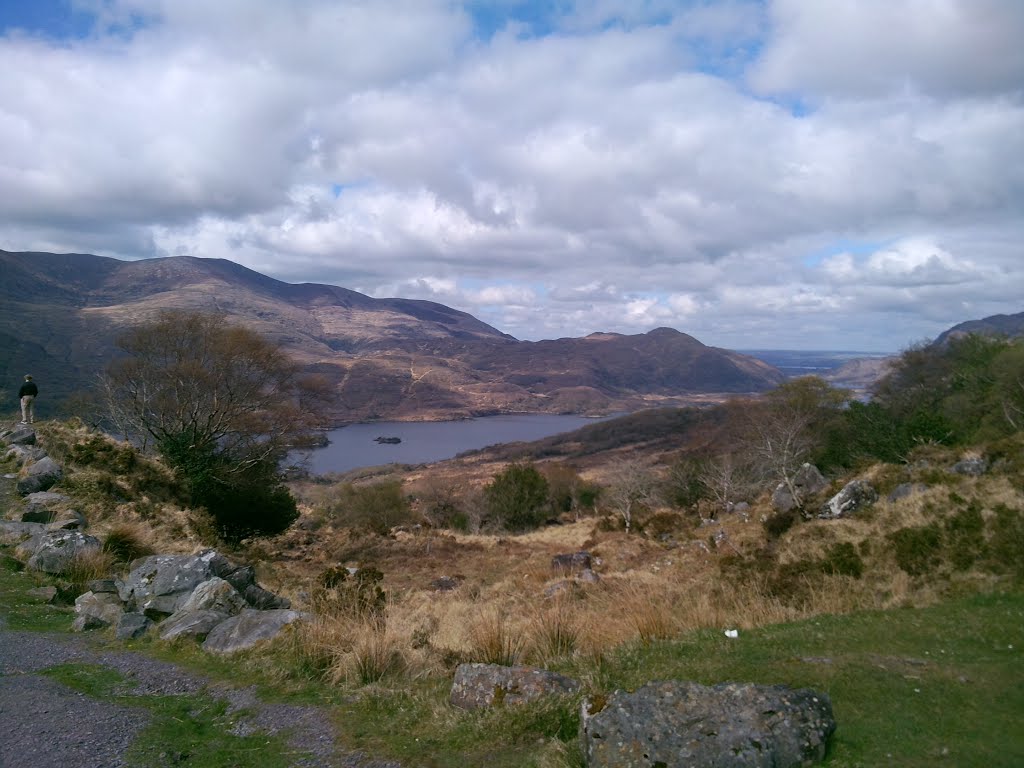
<point>733,725</point>
<point>97,610</point>
<point>972,466</point>
<point>486,685</point>
<point>195,624</point>
<point>856,495</point>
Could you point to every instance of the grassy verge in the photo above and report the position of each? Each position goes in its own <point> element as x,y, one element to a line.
<point>192,730</point>
<point>910,687</point>
<point>21,610</point>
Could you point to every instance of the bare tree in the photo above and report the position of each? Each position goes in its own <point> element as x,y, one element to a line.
<point>728,476</point>
<point>632,485</point>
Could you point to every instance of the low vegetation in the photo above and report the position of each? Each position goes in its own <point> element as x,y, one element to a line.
<point>907,612</point>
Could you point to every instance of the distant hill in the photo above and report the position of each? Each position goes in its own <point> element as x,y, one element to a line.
<point>60,316</point>
<point>996,325</point>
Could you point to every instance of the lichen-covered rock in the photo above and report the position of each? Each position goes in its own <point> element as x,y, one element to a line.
<point>40,476</point>
<point>162,583</point>
<point>67,520</point>
<point>733,725</point>
<point>856,495</point>
<point>486,685</point>
<point>263,599</point>
<point>249,628</point>
<point>44,500</point>
<point>56,550</point>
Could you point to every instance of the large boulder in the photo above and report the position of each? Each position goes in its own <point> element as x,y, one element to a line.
<point>248,628</point>
<point>12,532</point>
<point>40,476</point>
<point>807,482</point>
<point>856,495</point>
<point>131,626</point>
<point>55,551</point>
<point>571,562</point>
<point>160,584</point>
<point>485,685</point>
<point>732,725</point>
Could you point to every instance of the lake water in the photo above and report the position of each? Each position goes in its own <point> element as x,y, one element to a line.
<point>354,446</point>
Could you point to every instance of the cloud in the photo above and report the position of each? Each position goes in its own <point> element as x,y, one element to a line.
<point>601,165</point>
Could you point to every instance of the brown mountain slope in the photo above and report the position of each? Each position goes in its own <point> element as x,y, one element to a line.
<point>60,315</point>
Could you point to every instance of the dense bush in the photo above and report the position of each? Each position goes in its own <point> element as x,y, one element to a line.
<point>917,549</point>
<point>517,498</point>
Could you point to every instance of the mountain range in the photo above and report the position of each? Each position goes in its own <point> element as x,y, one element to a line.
<point>61,314</point>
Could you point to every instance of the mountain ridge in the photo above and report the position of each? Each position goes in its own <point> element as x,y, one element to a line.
<point>60,316</point>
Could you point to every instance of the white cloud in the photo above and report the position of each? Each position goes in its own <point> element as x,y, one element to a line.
<point>606,168</point>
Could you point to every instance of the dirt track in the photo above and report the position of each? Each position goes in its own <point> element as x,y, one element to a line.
<point>45,724</point>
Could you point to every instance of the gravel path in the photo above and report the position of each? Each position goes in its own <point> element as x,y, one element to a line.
<point>44,724</point>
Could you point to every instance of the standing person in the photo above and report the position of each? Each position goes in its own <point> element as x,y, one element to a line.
<point>27,394</point>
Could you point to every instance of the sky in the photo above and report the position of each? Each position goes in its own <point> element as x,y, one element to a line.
<point>773,174</point>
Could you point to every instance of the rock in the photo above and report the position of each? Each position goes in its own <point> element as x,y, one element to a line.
<point>24,454</point>
<point>856,495</point>
<point>588,576</point>
<point>445,583</point>
<point>38,515</point>
<point>561,587</point>
<point>807,481</point>
<point>571,562</point>
<point>164,582</point>
<point>103,586</point>
<point>21,436</point>
<point>972,466</point>
<point>263,599</point>
<point>731,725</point>
<point>131,626</point>
<point>47,594</point>
<point>195,624</point>
<point>215,595</point>
<point>105,607</point>
<point>44,500</point>
<point>903,490</point>
<point>15,533</point>
<point>40,476</point>
<point>86,622</point>
<point>241,578</point>
<point>486,685</point>
<point>68,520</point>
<point>56,550</point>
<point>249,628</point>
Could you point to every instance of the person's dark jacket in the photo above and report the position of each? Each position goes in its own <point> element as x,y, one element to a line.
<point>28,388</point>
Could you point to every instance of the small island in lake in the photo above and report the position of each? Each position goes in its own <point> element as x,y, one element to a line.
<point>388,440</point>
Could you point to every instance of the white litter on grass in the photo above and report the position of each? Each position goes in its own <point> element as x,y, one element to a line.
<point>732,633</point>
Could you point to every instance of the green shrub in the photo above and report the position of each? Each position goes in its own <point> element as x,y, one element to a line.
<point>917,549</point>
<point>517,498</point>
<point>1006,545</point>
<point>842,559</point>
<point>965,536</point>
<point>377,508</point>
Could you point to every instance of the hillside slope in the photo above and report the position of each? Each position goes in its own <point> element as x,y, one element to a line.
<point>60,316</point>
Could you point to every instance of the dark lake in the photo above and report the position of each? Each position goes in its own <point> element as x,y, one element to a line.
<point>355,445</point>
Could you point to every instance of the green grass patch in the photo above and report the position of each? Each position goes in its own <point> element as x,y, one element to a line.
<point>909,687</point>
<point>22,611</point>
<point>192,730</point>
